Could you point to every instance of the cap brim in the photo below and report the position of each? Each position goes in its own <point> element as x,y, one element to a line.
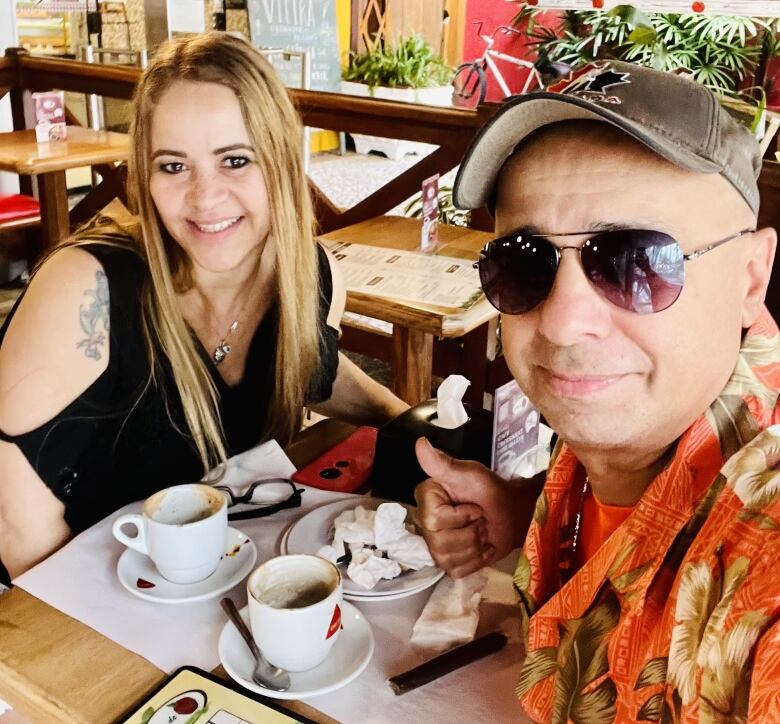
<point>523,115</point>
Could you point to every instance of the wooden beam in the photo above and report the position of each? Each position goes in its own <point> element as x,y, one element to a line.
<point>36,74</point>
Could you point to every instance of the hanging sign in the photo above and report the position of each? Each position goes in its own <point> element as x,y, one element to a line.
<point>300,25</point>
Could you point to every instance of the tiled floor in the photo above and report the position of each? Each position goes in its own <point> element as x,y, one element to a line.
<point>350,178</point>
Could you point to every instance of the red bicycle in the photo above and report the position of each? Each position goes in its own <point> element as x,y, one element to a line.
<point>470,81</point>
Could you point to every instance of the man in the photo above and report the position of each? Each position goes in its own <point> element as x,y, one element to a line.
<point>631,280</point>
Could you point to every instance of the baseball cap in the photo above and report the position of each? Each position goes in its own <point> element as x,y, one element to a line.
<point>678,118</point>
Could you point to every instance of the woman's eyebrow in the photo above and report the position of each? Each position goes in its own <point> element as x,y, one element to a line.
<point>167,152</point>
<point>234,147</point>
<point>216,151</point>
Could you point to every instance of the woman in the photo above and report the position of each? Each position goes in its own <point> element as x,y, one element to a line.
<point>142,356</point>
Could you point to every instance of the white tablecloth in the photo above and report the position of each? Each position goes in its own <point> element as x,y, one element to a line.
<point>80,580</point>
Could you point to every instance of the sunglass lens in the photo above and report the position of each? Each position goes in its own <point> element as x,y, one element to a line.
<point>517,274</point>
<point>638,270</point>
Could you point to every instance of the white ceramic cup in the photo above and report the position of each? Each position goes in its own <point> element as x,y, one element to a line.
<point>183,530</point>
<point>295,610</point>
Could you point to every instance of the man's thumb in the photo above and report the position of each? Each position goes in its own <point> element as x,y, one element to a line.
<point>438,465</point>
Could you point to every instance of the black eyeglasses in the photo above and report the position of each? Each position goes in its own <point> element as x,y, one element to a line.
<point>639,270</point>
<point>273,495</point>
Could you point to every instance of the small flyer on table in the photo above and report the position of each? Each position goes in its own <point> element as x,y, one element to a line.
<point>429,240</point>
<point>515,433</point>
<point>50,116</point>
<point>443,281</point>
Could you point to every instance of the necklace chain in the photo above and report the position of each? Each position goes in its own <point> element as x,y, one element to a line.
<point>223,349</point>
<point>575,537</point>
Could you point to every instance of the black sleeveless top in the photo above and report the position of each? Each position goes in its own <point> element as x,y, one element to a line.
<point>116,442</point>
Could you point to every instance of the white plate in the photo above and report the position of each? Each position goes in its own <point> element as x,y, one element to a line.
<point>312,531</point>
<point>348,657</point>
<point>359,597</point>
<point>135,571</point>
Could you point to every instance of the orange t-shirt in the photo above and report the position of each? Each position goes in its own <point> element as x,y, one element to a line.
<point>599,522</point>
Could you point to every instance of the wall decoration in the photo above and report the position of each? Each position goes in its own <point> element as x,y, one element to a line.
<point>299,25</point>
<point>753,8</point>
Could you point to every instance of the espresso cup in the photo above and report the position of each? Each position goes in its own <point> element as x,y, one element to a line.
<point>295,610</point>
<point>183,530</point>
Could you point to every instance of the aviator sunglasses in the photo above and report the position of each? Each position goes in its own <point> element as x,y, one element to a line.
<point>638,270</point>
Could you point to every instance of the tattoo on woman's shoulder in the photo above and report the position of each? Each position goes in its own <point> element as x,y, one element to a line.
<point>93,314</point>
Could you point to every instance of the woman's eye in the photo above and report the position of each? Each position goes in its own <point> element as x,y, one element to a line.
<point>236,161</point>
<point>172,167</point>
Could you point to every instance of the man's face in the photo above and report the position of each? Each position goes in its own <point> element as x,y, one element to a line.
<point>603,377</point>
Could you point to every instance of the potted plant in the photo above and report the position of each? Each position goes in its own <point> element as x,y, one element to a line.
<point>721,52</point>
<point>408,71</point>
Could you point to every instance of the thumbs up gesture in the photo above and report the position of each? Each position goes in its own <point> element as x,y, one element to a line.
<point>468,514</point>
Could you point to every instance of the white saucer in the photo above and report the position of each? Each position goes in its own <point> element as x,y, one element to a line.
<point>314,530</point>
<point>348,657</point>
<point>237,563</point>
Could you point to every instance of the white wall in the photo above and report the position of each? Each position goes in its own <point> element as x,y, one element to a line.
<point>9,183</point>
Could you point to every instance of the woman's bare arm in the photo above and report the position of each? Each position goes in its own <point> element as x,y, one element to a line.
<point>55,347</point>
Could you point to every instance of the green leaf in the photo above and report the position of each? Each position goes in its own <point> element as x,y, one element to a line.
<point>643,36</point>
<point>197,715</point>
<point>652,709</point>
<point>583,659</point>
<point>653,672</point>
<point>631,15</point>
<point>538,665</point>
<point>541,509</point>
<point>621,583</point>
<point>147,715</point>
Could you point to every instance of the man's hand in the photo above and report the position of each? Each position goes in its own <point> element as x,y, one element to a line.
<point>468,514</point>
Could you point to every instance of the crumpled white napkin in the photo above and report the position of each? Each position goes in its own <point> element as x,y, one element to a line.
<point>452,613</point>
<point>367,568</point>
<point>384,528</point>
<point>355,527</point>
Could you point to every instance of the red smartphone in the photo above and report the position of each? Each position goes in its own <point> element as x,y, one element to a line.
<point>345,467</point>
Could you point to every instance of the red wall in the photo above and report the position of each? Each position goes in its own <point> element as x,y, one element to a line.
<point>494,13</point>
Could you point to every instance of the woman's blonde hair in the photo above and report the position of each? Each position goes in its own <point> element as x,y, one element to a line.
<point>275,133</point>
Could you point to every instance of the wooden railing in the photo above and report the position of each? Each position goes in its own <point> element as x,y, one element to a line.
<point>448,128</point>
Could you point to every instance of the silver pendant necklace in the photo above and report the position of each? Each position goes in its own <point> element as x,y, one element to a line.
<point>223,349</point>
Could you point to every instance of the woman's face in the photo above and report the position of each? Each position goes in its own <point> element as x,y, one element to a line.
<point>205,180</point>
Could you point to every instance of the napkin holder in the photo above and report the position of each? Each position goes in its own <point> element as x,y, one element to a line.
<point>396,471</point>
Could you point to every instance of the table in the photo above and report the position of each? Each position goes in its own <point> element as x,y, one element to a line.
<point>415,325</point>
<point>21,154</point>
<point>56,669</point>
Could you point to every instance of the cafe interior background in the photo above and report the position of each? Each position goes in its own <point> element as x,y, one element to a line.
<point>447,33</point>
<point>452,31</point>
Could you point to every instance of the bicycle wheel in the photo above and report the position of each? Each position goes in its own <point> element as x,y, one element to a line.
<point>469,86</point>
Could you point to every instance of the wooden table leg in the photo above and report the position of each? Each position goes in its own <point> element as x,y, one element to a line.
<point>53,196</point>
<point>475,364</point>
<point>411,364</point>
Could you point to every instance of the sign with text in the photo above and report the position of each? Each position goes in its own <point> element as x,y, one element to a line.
<point>515,433</point>
<point>300,25</point>
<point>429,237</point>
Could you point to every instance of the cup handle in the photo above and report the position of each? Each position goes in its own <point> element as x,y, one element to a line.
<point>138,542</point>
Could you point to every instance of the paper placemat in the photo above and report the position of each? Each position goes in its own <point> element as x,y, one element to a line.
<point>80,580</point>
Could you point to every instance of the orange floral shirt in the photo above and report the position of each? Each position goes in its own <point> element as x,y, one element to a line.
<point>676,616</point>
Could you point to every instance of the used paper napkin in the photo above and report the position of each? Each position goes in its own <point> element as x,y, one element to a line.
<point>452,613</point>
<point>380,542</point>
<point>450,412</point>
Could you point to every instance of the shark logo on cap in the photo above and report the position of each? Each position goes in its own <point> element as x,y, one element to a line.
<point>591,82</point>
